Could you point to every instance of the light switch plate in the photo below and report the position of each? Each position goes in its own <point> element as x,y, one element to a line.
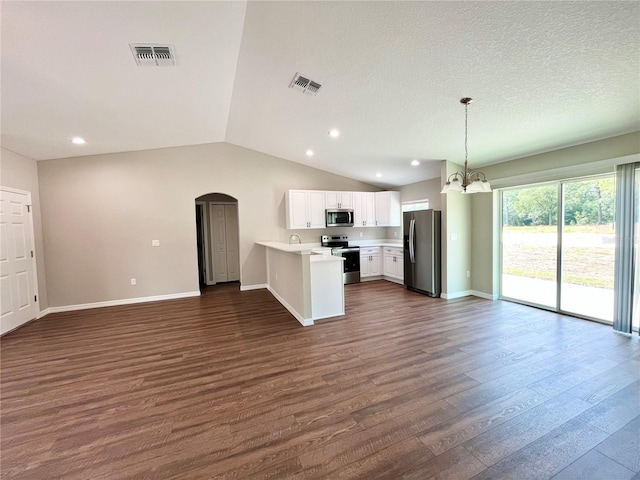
<point>155,243</point>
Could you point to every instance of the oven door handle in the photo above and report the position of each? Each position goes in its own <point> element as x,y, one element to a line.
<point>348,250</point>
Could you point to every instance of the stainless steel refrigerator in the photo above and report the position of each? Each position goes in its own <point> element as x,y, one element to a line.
<point>421,234</point>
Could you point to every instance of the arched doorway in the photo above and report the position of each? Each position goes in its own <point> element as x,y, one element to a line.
<point>218,241</point>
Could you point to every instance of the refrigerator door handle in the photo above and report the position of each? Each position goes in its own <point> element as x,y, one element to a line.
<point>412,228</point>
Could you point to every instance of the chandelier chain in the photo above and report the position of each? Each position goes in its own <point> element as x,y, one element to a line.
<point>466,114</point>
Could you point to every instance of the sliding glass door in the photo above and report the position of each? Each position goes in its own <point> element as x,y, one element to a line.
<point>530,245</point>
<point>558,247</point>
<point>588,248</point>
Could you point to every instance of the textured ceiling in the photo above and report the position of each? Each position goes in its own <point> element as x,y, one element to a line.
<point>543,75</point>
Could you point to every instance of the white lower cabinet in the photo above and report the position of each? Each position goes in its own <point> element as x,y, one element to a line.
<point>369,262</point>
<point>393,262</point>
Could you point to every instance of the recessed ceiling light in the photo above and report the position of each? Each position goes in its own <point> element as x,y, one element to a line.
<point>309,153</point>
<point>378,174</point>
<point>415,163</point>
<point>334,133</point>
<point>78,140</point>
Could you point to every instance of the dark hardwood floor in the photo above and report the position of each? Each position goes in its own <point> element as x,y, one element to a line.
<point>229,385</point>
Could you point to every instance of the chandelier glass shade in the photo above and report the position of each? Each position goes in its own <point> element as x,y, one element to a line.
<point>467,181</point>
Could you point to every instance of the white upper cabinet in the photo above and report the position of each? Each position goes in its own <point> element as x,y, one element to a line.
<point>338,199</point>
<point>364,209</point>
<point>305,209</point>
<point>387,209</point>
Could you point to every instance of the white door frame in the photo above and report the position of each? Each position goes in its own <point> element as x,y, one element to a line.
<point>34,270</point>
<point>204,221</point>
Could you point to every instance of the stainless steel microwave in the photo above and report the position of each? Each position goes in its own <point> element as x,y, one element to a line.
<point>339,217</point>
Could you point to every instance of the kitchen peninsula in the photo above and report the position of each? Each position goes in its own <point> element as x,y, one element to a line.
<point>305,281</point>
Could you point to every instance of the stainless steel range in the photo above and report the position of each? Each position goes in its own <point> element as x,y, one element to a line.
<point>339,245</point>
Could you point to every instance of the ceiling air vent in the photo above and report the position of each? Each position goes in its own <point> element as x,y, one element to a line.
<point>304,85</point>
<point>153,55</point>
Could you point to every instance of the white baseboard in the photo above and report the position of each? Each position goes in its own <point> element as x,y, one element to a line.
<point>314,319</point>
<point>451,296</point>
<point>244,288</point>
<point>124,301</point>
<point>488,296</point>
<point>468,293</point>
<point>42,313</point>
<point>304,322</point>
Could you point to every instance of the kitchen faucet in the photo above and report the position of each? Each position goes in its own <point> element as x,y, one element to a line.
<point>294,236</point>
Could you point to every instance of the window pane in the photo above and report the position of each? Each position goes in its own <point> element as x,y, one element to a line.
<point>415,205</point>
<point>529,244</point>
<point>588,248</point>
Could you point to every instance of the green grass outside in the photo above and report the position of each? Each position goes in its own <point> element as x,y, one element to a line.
<point>584,265</point>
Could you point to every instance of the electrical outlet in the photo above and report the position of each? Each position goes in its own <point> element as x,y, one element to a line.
<point>395,234</point>
<point>361,234</point>
<point>468,274</point>
<point>133,281</point>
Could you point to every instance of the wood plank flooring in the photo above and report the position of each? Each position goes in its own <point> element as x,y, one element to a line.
<point>230,386</point>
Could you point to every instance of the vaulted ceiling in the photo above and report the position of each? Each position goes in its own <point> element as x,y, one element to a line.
<point>543,75</point>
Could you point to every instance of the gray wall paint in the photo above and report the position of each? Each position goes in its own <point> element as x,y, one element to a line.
<point>429,189</point>
<point>100,214</point>
<point>482,253</point>
<point>456,238</point>
<point>21,173</point>
<point>578,156</point>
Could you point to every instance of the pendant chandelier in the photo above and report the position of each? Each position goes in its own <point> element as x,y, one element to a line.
<point>468,181</point>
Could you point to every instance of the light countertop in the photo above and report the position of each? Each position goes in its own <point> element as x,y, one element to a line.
<point>315,248</point>
<point>376,243</point>
<point>300,249</point>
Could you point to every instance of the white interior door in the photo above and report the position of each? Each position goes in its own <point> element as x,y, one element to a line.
<point>17,263</point>
<point>225,241</point>
<point>218,225</point>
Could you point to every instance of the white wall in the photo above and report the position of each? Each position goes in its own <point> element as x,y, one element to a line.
<point>101,212</point>
<point>21,173</point>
